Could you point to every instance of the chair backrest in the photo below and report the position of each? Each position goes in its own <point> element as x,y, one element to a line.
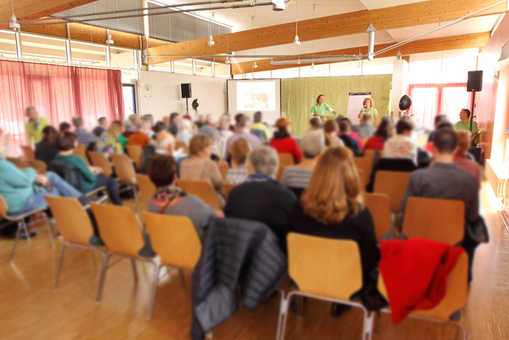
<point>81,147</point>
<point>146,187</point>
<point>364,140</point>
<point>182,145</point>
<point>39,166</point>
<point>71,219</point>
<point>17,162</point>
<point>435,219</point>
<point>135,152</point>
<point>82,154</point>
<point>380,208</point>
<point>118,228</point>
<point>3,208</point>
<point>123,168</point>
<point>279,175</point>
<point>174,239</point>
<point>326,267</point>
<point>28,152</point>
<point>364,163</point>
<point>202,189</point>
<point>285,159</point>
<point>99,160</point>
<point>393,184</point>
<point>227,187</point>
<point>223,169</point>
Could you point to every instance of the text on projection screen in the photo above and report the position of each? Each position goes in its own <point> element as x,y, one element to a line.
<point>256,96</point>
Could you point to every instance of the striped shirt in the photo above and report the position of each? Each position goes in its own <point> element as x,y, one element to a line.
<point>296,177</point>
<point>237,175</point>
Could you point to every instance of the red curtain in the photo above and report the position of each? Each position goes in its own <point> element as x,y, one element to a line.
<point>59,93</point>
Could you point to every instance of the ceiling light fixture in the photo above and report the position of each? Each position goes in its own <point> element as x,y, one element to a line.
<point>296,41</point>
<point>13,24</point>
<point>109,39</point>
<point>278,5</point>
<point>211,41</point>
<point>255,66</point>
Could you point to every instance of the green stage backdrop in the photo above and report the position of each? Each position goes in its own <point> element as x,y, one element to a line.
<point>299,94</point>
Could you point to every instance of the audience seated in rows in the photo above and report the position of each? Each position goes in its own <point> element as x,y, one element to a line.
<point>46,149</point>
<point>365,128</point>
<point>283,142</point>
<point>243,131</point>
<point>200,121</point>
<point>297,176</point>
<point>261,198</point>
<point>352,133</point>
<point>91,176</point>
<point>64,127</point>
<point>331,130</point>
<point>142,136</point>
<point>444,180</point>
<point>259,129</point>
<point>224,128</point>
<point>348,141</point>
<point>315,123</point>
<point>332,207</point>
<point>171,200</point>
<point>108,143</point>
<point>461,156</point>
<point>102,126</point>
<point>238,172</point>
<point>199,166</point>
<point>130,125</point>
<point>384,132</point>
<point>173,127</point>
<point>209,128</point>
<point>185,131</point>
<point>165,145</point>
<point>83,136</point>
<point>401,145</point>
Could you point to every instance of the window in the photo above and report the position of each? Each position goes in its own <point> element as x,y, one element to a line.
<point>184,66</point>
<point>315,71</point>
<point>286,73</point>
<point>88,54</point>
<point>203,68</point>
<point>220,70</point>
<point>121,57</point>
<point>430,100</point>
<point>129,99</point>
<point>347,68</point>
<point>7,44</point>
<point>37,47</point>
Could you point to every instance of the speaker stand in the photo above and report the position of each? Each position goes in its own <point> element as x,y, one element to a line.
<point>187,108</point>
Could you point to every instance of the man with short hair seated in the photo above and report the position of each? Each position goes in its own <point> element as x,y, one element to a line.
<point>365,128</point>
<point>349,141</point>
<point>101,128</point>
<point>444,180</point>
<point>243,131</point>
<point>401,145</point>
<point>261,198</point>
<point>84,137</point>
<point>165,145</point>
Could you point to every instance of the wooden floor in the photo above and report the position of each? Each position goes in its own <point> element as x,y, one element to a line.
<point>30,309</point>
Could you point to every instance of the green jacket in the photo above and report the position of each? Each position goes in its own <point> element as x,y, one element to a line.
<point>15,185</point>
<point>34,131</point>
<point>87,176</point>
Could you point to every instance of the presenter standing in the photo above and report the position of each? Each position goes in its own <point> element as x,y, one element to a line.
<point>368,104</point>
<point>321,107</point>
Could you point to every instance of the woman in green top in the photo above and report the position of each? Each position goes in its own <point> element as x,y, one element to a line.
<point>321,108</point>
<point>368,104</point>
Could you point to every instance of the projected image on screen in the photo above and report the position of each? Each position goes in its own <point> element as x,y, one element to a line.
<point>254,96</point>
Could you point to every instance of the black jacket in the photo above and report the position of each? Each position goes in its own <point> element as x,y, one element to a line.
<point>45,152</point>
<point>235,253</point>
<point>352,144</point>
<point>68,173</point>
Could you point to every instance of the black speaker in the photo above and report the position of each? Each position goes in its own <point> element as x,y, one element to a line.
<point>474,83</point>
<point>186,90</point>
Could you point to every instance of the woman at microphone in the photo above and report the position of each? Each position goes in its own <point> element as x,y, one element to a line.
<point>368,104</point>
<point>321,107</point>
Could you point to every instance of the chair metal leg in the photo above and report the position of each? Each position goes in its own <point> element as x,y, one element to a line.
<point>15,241</point>
<point>284,307</point>
<point>93,258</point>
<point>155,280</point>
<point>26,229</point>
<point>106,257</point>
<point>48,225</point>
<point>136,199</point>
<point>135,271</point>
<point>368,325</point>
<point>300,306</point>
<point>59,266</point>
<point>182,280</point>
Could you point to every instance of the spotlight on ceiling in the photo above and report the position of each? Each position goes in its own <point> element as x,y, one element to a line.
<point>109,39</point>
<point>14,23</point>
<point>296,41</point>
<point>255,66</point>
<point>211,41</point>
<point>278,5</point>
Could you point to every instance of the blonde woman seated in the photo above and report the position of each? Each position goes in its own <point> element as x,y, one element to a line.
<point>330,130</point>
<point>238,172</point>
<point>331,207</point>
<point>297,176</point>
<point>199,166</point>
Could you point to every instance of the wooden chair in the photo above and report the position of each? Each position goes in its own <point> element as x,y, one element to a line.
<point>145,187</point>
<point>279,175</point>
<point>81,147</point>
<point>28,152</point>
<point>123,237</point>
<point>182,145</point>
<point>325,269</point>
<point>393,184</point>
<point>82,153</point>
<point>135,152</point>
<point>39,166</point>
<point>202,189</point>
<point>285,159</point>
<point>364,140</point>
<point>177,244</point>
<point>366,165</point>
<point>435,219</point>
<point>227,187</point>
<point>73,224</point>
<point>380,209</point>
<point>454,300</point>
<point>20,219</point>
<point>126,174</point>
<point>99,160</point>
<point>223,168</point>
<point>18,162</point>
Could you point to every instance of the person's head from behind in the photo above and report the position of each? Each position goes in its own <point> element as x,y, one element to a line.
<point>445,124</point>
<point>174,118</point>
<point>114,130</point>
<point>239,151</point>
<point>445,142</point>
<point>224,122</point>
<point>284,125</point>
<point>344,127</point>
<point>315,123</point>
<point>201,118</point>
<point>245,123</point>
<point>331,127</point>
<point>103,121</point>
<point>438,119</point>
<point>66,142</point>
<point>257,117</point>
<point>186,125</point>
<point>463,140</point>
<point>149,117</point>
<point>385,130</point>
<point>211,119</point>
<point>64,127</point>
<point>50,135</point>
<point>162,170</point>
<point>465,114</point>
<point>263,161</point>
<point>166,120</point>
<point>366,118</point>
<point>312,144</point>
<point>31,113</point>
<point>238,117</point>
<point>334,187</point>
<point>166,144</point>
<point>77,122</point>
<point>143,125</point>
<point>404,127</point>
<point>133,119</point>
<point>200,145</point>
<point>159,127</point>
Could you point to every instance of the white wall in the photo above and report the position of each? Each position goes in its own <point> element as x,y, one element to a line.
<point>165,96</point>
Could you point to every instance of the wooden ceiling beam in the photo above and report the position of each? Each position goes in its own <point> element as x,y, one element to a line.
<point>426,12</point>
<point>477,40</point>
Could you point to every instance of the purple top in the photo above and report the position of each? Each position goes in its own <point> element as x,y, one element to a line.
<point>252,139</point>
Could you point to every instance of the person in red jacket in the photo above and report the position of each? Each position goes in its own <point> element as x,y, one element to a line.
<point>384,131</point>
<point>283,142</point>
